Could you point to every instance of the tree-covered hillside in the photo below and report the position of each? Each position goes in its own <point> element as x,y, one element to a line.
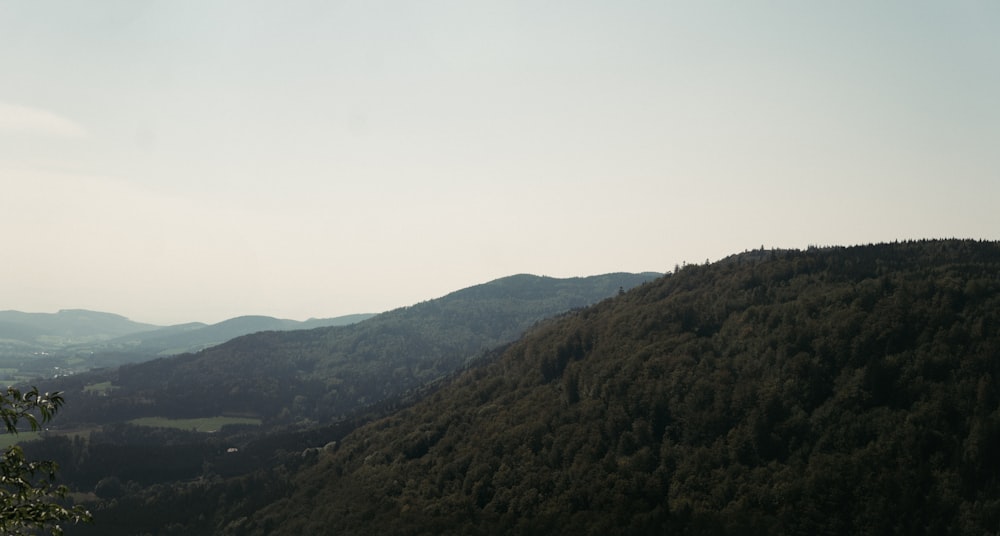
<point>67,326</point>
<point>42,345</point>
<point>830,391</point>
<point>186,338</point>
<point>308,376</point>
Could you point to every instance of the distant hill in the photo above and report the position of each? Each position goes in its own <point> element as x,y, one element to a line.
<point>39,345</point>
<point>192,337</point>
<point>66,327</point>
<point>321,374</point>
<point>830,391</point>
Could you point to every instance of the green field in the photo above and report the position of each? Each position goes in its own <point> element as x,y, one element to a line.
<point>205,424</point>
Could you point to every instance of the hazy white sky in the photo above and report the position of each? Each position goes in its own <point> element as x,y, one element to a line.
<point>197,160</point>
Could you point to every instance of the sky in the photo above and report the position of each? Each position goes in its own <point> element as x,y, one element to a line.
<point>176,161</point>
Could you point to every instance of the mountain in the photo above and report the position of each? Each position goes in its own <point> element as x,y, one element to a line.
<point>39,345</point>
<point>271,393</point>
<point>45,344</point>
<point>66,327</point>
<point>192,337</point>
<point>345,320</point>
<point>829,391</point>
<point>321,374</point>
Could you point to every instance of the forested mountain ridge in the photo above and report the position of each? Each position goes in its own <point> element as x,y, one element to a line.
<point>321,374</point>
<point>66,327</point>
<point>185,338</point>
<point>830,391</point>
<point>41,345</point>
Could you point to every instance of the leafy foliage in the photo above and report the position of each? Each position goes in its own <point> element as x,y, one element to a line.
<point>27,491</point>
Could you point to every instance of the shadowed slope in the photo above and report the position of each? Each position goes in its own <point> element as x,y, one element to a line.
<point>847,390</point>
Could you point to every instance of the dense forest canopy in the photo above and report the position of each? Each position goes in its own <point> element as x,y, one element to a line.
<point>846,390</point>
<point>829,391</point>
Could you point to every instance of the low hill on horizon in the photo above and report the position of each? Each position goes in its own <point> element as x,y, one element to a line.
<point>70,341</point>
<point>192,337</point>
<point>65,327</point>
